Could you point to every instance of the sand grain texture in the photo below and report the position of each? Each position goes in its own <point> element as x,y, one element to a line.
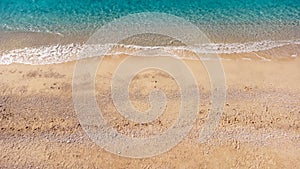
<point>260,127</point>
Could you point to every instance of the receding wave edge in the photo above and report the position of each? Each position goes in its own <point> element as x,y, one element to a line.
<point>65,53</point>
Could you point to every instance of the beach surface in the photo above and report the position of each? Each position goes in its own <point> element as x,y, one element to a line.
<point>43,42</point>
<point>260,126</point>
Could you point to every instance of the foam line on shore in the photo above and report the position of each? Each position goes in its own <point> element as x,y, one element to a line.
<point>65,53</point>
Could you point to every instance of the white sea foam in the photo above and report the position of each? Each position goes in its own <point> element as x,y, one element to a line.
<point>70,52</point>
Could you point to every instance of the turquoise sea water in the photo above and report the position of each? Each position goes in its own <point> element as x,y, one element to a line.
<point>265,28</point>
<point>222,19</point>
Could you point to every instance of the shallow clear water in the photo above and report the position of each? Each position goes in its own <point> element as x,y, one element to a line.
<point>222,20</point>
<point>265,28</point>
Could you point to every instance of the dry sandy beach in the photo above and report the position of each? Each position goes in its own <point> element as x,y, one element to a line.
<point>260,127</point>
